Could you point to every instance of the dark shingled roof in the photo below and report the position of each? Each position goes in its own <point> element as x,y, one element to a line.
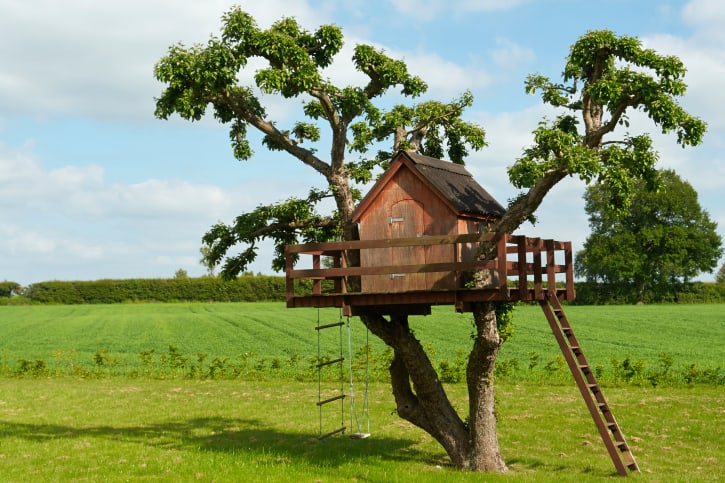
<point>457,185</point>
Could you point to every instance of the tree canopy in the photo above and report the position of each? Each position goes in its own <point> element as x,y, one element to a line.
<point>204,76</point>
<point>605,78</point>
<point>664,238</point>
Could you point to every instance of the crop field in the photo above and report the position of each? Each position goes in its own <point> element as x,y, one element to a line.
<point>687,342</point>
<point>129,392</point>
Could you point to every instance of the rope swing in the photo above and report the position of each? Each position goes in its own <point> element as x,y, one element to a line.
<point>364,418</point>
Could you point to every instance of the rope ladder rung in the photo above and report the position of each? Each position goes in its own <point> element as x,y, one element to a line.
<point>332,399</point>
<point>327,326</point>
<point>339,430</point>
<point>327,363</point>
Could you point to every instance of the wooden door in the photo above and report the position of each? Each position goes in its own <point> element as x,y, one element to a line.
<point>407,220</point>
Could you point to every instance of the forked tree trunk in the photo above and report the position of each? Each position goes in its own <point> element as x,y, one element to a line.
<point>485,453</point>
<point>421,399</point>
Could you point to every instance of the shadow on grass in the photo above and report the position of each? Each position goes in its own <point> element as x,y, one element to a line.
<point>536,466</point>
<point>230,435</point>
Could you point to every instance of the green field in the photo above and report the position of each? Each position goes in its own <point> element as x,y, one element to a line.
<point>265,335</point>
<point>260,425</point>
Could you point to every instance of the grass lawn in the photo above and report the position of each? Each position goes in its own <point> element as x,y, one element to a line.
<point>118,429</point>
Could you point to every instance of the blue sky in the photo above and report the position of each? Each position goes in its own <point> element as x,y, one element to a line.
<point>93,186</point>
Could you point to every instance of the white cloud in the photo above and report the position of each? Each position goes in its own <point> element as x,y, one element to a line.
<point>96,58</point>
<point>706,17</point>
<point>445,78</point>
<point>58,223</point>
<point>509,54</point>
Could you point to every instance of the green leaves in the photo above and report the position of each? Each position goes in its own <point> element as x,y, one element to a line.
<point>605,78</point>
<point>294,220</point>
<point>385,72</point>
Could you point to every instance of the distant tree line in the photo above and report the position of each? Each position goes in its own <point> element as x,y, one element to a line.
<point>597,293</point>
<point>262,288</point>
<point>246,288</point>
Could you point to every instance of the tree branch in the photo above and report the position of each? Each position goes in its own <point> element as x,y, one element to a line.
<point>289,226</point>
<point>611,125</point>
<point>243,112</point>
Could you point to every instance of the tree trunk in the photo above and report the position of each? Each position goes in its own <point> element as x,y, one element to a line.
<point>485,452</point>
<point>421,399</point>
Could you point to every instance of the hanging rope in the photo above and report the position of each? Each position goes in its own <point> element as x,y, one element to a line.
<point>355,421</point>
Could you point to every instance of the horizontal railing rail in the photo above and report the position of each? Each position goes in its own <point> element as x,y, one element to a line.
<point>532,263</point>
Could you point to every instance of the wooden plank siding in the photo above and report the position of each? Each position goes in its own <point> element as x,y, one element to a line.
<point>524,269</point>
<point>419,196</point>
<point>405,208</point>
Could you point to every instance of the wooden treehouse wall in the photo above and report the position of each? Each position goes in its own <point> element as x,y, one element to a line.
<point>406,208</point>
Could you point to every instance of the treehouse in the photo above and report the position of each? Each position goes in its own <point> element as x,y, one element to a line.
<point>420,228</point>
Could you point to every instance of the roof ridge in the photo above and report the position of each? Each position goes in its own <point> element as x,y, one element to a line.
<point>436,163</point>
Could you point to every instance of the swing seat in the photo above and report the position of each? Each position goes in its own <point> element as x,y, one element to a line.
<point>359,435</point>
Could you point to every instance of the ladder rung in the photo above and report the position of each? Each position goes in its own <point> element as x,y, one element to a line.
<point>334,398</point>
<point>622,445</point>
<point>327,363</point>
<point>327,326</point>
<point>576,350</point>
<point>339,430</point>
<point>594,387</point>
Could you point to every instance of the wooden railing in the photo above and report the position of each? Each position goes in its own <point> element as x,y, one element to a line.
<point>525,269</point>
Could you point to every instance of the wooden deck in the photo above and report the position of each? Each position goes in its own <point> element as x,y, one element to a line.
<point>525,269</point>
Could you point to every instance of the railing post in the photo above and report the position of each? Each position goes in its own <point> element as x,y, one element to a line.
<point>317,284</point>
<point>550,267</point>
<point>569,261</point>
<point>290,282</point>
<point>502,271</point>
<point>343,280</point>
<point>538,288</point>
<point>523,269</point>
<point>337,284</point>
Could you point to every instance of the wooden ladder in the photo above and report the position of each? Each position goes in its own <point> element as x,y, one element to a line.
<point>586,382</point>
